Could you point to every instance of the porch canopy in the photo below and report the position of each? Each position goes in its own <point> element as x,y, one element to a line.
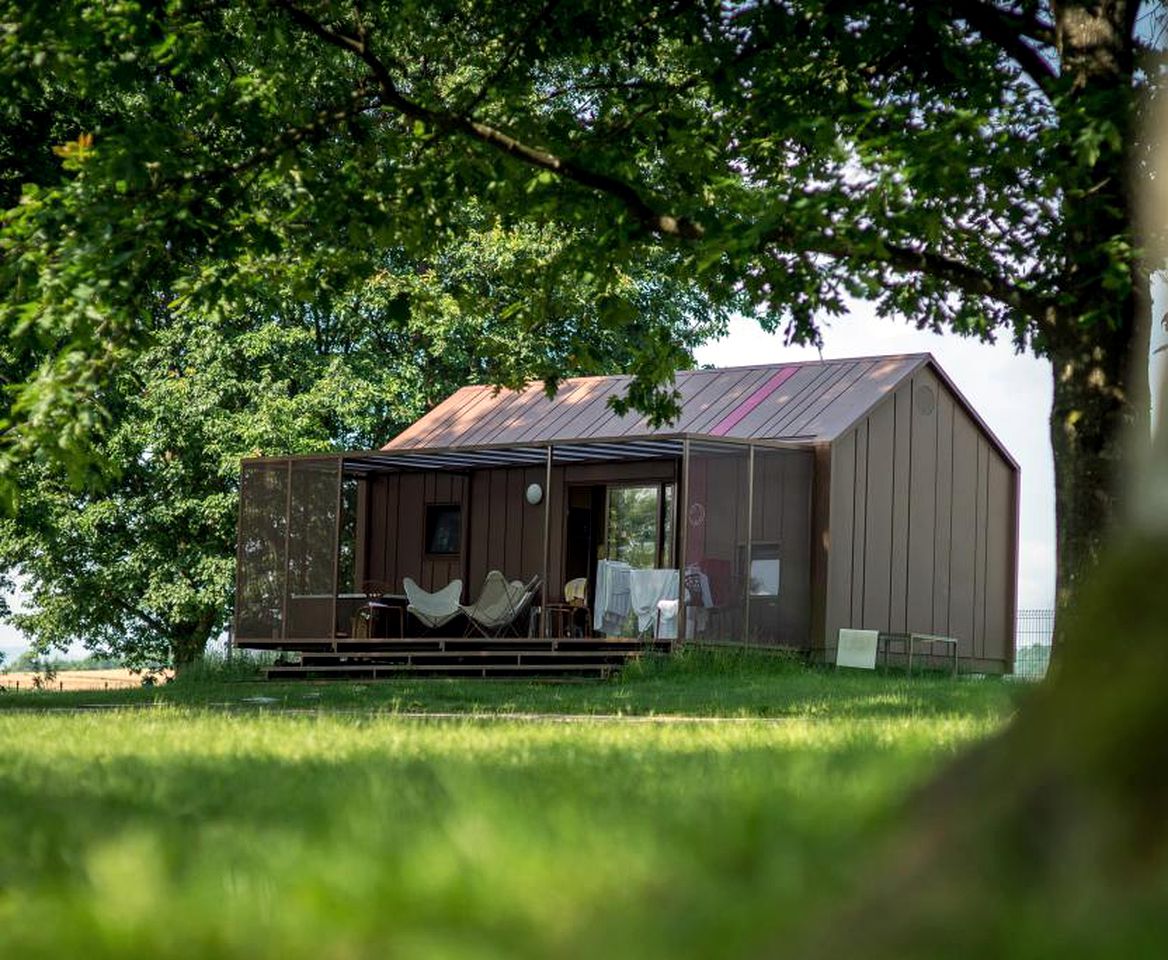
<point>742,524</point>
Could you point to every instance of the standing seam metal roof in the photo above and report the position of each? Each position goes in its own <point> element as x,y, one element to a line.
<point>809,401</point>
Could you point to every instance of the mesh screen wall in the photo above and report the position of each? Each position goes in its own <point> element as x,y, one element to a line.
<point>780,548</point>
<point>714,577</point>
<point>260,567</point>
<point>286,564</point>
<point>312,547</point>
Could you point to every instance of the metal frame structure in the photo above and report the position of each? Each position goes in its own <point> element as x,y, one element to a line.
<point>463,460</point>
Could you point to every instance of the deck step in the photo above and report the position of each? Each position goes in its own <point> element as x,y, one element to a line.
<point>439,656</point>
<point>378,672</point>
<point>459,643</point>
<point>379,658</point>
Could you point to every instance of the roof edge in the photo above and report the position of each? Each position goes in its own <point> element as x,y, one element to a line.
<point>928,360</point>
<point>972,411</point>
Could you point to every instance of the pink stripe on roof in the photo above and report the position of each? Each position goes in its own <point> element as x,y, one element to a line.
<point>739,413</point>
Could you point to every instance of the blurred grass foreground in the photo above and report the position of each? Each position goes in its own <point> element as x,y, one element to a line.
<point>188,830</point>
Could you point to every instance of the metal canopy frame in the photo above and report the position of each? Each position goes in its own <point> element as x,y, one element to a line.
<point>486,456</point>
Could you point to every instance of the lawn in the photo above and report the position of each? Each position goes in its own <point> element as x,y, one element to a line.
<point>697,683</point>
<point>341,829</point>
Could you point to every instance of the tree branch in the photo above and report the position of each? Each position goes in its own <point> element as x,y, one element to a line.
<point>360,101</point>
<point>509,55</point>
<point>152,622</point>
<point>1008,31</point>
<point>904,259</point>
<point>1023,23</point>
<point>968,279</point>
<point>646,215</point>
<point>907,259</point>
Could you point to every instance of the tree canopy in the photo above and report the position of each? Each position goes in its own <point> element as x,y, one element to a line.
<point>966,164</point>
<point>141,568</point>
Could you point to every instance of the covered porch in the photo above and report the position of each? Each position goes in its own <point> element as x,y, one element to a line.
<point>659,540</point>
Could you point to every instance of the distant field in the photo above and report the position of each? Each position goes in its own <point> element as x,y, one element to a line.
<point>74,680</point>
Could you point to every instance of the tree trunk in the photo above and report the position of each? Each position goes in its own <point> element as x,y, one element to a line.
<point>1051,839</point>
<point>1090,422</point>
<point>188,643</point>
<point>1092,336</point>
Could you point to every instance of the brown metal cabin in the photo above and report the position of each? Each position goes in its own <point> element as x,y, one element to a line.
<point>791,500</point>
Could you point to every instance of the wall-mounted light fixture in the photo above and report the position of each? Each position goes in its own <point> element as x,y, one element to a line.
<point>534,493</point>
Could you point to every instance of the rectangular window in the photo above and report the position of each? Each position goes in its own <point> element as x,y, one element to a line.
<point>764,570</point>
<point>632,525</point>
<point>443,528</point>
<point>639,525</point>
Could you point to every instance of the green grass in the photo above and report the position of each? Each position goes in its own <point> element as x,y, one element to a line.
<point>184,831</point>
<point>710,683</point>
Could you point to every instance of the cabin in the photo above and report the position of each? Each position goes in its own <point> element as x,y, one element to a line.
<point>787,501</point>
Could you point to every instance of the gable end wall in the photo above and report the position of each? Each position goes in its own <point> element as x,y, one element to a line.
<point>923,527</point>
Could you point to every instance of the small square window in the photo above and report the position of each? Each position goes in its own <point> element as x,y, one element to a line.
<point>443,528</point>
<point>764,570</point>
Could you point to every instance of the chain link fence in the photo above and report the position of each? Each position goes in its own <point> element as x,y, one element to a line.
<point>1032,644</point>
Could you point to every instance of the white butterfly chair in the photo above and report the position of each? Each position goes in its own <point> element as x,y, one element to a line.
<point>433,610</point>
<point>500,604</point>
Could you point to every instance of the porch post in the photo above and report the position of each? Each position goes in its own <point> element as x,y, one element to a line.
<point>337,546</point>
<point>749,541</point>
<point>234,632</point>
<point>547,541</point>
<point>683,538</point>
<point>287,528</point>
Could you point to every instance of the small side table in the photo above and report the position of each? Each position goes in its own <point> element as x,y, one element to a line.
<point>915,638</point>
<point>910,641</point>
<point>561,618</point>
<point>386,611</point>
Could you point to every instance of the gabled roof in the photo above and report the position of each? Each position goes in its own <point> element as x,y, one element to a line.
<point>810,402</point>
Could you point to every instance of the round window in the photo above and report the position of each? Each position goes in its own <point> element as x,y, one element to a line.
<point>926,400</point>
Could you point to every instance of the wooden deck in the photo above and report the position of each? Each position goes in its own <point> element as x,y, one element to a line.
<point>527,657</point>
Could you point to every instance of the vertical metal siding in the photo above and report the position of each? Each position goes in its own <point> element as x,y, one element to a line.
<point>943,553</point>
<point>877,552</point>
<point>859,524</point>
<point>922,516</point>
<point>840,534</point>
<point>921,526</point>
<point>820,542</point>
<point>962,571</point>
<point>902,466</point>
<point>999,565</point>
<point>979,555</point>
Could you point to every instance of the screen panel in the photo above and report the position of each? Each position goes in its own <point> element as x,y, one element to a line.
<point>260,567</point>
<point>780,549</point>
<point>716,533</point>
<point>312,547</point>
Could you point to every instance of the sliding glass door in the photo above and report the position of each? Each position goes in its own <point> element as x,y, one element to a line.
<point>639,525</point>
